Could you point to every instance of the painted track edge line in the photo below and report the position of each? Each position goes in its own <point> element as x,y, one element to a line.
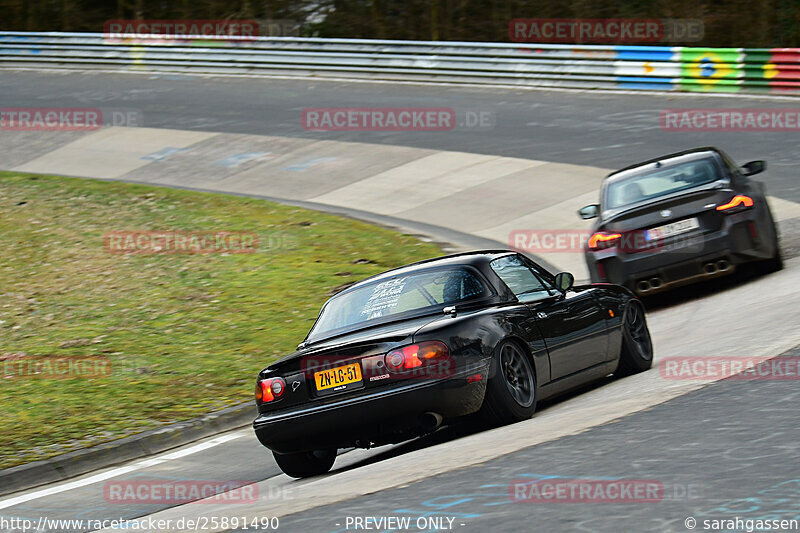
<point>85,460</point>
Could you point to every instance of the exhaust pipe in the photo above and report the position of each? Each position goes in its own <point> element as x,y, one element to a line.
<point>710,268</point>
<point>430,421</point>
<point>643,286</point>
<point>655,283</point>
<point>723,265</point>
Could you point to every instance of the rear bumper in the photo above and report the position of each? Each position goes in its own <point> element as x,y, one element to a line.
<point>389,415</point>
<point>687,259</point>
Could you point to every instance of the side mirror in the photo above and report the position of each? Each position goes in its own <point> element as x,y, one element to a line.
<point>564,281</point>
<point>590,211</point>
<point>754,167</point>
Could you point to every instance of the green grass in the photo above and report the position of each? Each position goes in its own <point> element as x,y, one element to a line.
<point>185,334</point>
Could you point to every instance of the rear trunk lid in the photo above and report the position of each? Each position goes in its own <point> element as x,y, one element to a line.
<point>689,215</point>
<point>307,371</point>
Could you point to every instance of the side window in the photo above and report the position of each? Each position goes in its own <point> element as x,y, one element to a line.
<point>525,285</point>
<point>456,287</point>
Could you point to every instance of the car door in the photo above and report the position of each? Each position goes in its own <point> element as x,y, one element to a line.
<point>573,328</point>
<point>572,324</point>
<point>577,325</point>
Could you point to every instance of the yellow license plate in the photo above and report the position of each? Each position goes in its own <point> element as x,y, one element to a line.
<point>338,377</point>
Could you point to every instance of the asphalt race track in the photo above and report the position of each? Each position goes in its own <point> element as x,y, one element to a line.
<point>664,444</point>
<point>584,128</point>
<point>721,451</point>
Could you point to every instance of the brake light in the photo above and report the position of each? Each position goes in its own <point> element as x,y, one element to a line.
<point>602,240</point>
<point>736,201</point>
<point>269,390</point>
<point>415,355</point>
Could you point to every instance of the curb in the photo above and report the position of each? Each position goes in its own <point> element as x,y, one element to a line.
<point>75,463</point>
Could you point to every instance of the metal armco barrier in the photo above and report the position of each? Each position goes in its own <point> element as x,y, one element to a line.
<point>663,68</point>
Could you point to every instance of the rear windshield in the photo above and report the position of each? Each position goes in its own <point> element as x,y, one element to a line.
<point>409,295</point>
<point>659,182</point>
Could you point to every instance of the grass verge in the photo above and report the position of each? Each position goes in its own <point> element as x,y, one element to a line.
<point>183,334</point>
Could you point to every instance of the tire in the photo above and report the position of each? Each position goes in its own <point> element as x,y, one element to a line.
<point>636,354</point>
<point>511,392</point>
<point>305,464</point>
<point>774,263</point>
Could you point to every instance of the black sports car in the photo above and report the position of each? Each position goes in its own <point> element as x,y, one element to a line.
<point>678,219</point>
<point>399,354</point>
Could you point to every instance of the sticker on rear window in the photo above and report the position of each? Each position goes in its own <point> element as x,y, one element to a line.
<point>384,296</point>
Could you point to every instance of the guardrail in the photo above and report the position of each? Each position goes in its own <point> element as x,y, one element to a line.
<point>550,65</point>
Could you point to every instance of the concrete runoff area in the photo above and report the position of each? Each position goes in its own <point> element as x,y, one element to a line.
<point>497,198</point>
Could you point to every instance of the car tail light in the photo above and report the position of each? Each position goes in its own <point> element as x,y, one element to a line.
<point>269,390</point>
<point>415,355</point>
<point>739,201</point>
<point>602,240</point>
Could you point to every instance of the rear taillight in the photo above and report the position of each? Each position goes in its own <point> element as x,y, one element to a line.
<point>602,240</point>
<point>738,202</point>
<point>416,355</point>
<point>269,390</point>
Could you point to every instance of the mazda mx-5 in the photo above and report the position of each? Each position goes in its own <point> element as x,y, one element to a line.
<point>399,354</point>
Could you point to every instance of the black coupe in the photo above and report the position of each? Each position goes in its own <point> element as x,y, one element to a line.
<point>679,219</point>
<point>401,353</point>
